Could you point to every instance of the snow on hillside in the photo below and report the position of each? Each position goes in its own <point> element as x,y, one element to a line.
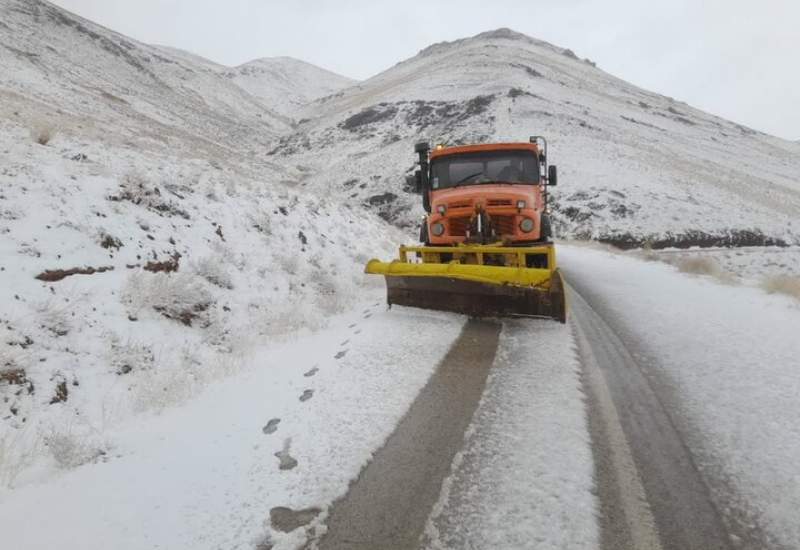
<point>286,84</point>
<point>147,244</point>
<point>125,273</point>
<point>60,70</point>
<point>635,166</point>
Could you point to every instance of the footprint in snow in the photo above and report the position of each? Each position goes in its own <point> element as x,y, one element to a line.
<point>272,426</point>
<point>345,343</point>
<point>312,372</point>
<point>308,394</point>
<point>287,520</point>
<point>287,461</point>
<point>366,311</point>
<point>357,331</point>
<point>340,354</point>
<point>368,315</point>
<point>354,325</point>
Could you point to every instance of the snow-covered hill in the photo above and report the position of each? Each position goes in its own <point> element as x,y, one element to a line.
<point>146,242</point>
<point>635,166</point>
<point>61,71</point>
<point>286,84</point>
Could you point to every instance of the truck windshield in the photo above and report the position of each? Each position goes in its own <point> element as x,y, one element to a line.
<point>488,167</point>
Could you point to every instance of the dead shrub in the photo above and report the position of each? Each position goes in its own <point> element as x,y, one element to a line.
<point>704,265</point>
<point>13,374</point>
<point>19,448</point>
<point>127,357</point>
<point>55,317</point>
<point>167,266</point>
<point>109,241</point>
<point>783,284</point>
<point>71,450</point>
<point>177,296</point>
<point>213,270</point>
<point>135,188</point>
<point>61,393</point>
<point>43,134</point>
<point>14,377</point>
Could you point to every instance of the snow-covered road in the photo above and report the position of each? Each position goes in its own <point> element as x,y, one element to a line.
<point>721,361</point>
<point>524,478</point>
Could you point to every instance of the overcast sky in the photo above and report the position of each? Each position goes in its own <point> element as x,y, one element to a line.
<point>737,59</point>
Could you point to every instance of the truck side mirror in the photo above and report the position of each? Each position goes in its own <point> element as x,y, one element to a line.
<point>418,181</point>
<point>552,175</point>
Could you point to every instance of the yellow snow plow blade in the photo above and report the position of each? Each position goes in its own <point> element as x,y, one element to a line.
<point>477,280</point>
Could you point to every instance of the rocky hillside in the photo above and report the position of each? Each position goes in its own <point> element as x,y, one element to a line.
<point>636,166</point>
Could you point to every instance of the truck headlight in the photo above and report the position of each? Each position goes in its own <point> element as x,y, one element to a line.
<point>441,209</point>
<point>526,225</point>
<point>438,229</point>
<point>521,205</point>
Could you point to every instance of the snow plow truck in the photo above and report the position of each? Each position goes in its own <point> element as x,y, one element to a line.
<point>486,248</point>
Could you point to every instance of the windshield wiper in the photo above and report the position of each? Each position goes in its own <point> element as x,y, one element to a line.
<point>462,180</point>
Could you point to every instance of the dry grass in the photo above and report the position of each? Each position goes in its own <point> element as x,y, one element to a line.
<point>213,270</point>
<point>71,450</point>
<point>783,284</point>
<point>19,448</point>
<point>703,265</point>
<point>177,296</point>
<point>698,265</point>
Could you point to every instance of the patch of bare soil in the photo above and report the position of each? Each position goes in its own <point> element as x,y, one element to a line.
<point>55,275</point>
<point>167,266</point>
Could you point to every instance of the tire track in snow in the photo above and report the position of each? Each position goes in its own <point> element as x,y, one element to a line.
<point>388,505</point>
<point>653,495</point>
<point>524,478</point>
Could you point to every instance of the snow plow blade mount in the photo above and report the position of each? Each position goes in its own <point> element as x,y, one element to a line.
<point>476,280</point>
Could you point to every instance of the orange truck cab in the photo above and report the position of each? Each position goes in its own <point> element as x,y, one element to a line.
<point>485,194</point>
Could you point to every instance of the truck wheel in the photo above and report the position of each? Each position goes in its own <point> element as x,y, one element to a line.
<point>423,233</point>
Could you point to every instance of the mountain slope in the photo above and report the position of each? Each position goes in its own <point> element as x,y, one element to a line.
<point>73,74</point>
<point>146,244</point>
<point>635,166</point>
<point>286,84</point>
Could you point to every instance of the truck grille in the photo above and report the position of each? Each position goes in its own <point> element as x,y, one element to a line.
<point>459,226</point>
<point>503,225</point>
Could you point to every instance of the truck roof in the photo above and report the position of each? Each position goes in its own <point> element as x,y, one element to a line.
<point>445,151</point>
